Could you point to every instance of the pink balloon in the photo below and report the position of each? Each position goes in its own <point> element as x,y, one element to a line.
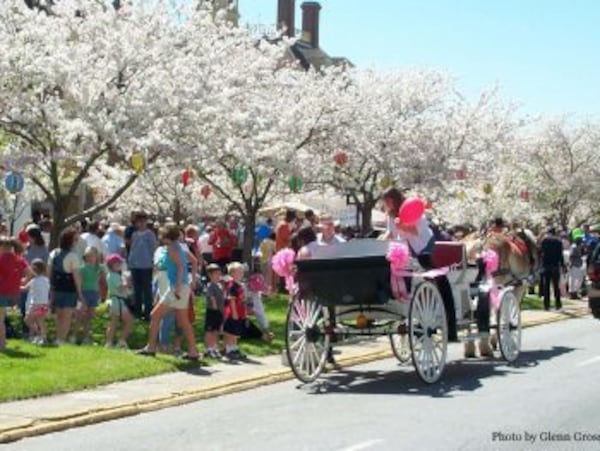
<point>411,210</point>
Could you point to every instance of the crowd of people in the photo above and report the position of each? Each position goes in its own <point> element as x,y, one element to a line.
<point>151,273</point>
<point>143,273</point>
<point>146,272</point>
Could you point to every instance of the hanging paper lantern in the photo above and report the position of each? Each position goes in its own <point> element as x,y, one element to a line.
<point>137,162</point>
<point>524,195</point>
<point>461,196</point>
<point>206,190</point>
<point>239,175</point>
<point>385,182</point>
<point>295,183</point>
<point>340,158</point>
<point>488,188</point>
<point>186,176</point>
<point>460,174</point>
<point>14,182</point>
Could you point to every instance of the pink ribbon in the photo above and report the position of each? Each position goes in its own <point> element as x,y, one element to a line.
<point>492,263</point>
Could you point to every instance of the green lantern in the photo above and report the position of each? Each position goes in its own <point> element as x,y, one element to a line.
<point>239,175</point>
<point>295,183</point>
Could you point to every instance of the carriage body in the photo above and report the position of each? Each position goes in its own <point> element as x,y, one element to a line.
<point>353,273</point>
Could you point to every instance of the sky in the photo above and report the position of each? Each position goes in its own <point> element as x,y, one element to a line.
<point>543,54</point>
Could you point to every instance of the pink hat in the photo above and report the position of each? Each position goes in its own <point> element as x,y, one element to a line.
<point>114,258</point>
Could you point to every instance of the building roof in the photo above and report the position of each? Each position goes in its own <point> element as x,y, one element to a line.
<point>309,56</point>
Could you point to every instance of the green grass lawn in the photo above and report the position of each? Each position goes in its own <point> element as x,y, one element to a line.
<point>532,302</point>
<point>30,371</point>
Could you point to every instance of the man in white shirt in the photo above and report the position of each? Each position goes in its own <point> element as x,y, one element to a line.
<point>93,240</point>
<point>205,248</point>
<point>328,235</point>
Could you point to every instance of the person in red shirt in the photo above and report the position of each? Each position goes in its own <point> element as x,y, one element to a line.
<point>235,311</point>
<point>13,268</point>
<point>223,243</point>
<point>283,232</point>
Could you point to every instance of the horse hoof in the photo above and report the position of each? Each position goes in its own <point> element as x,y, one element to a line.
<point>470,350</point>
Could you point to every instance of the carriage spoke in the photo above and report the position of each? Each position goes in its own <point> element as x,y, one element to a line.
<point>298,342</point>
<point>300,353</point>
<point>315,315</point>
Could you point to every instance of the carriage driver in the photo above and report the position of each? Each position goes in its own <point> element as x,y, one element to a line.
<point>421,242</point>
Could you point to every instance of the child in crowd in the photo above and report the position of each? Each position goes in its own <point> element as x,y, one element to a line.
<point>91,272</point>
<point>38,299</point>
<point>13,268</point>
<point>267,250</point>
<point>256,286</point>
<point>215,305</point>
<point>235,311</point>
<point>118,291</point>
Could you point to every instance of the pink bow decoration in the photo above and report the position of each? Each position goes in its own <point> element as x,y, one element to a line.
<point>399,256</point>
<point>492,263</point>
<point>283,265</point>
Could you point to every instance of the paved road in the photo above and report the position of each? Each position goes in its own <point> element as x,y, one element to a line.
<point>555,389</point>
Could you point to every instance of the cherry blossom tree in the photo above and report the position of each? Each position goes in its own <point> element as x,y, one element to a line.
<point>168,191</point>
<point>246,139</point>
<point>88,87</point>
<point>410,129</point>
<point>560,161</point>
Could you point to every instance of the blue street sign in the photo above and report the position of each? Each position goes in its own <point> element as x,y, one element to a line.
<point>14,182</point>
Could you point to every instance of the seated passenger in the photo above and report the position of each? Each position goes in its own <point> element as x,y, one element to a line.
<point>418,236</point>
<point>421,241</point>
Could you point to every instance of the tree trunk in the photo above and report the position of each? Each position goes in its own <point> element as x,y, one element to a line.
<point>366,213</point>
<point>58,224</point>
<point>249,232</point>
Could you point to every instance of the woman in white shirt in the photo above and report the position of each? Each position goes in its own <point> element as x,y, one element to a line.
<point>419,236</point>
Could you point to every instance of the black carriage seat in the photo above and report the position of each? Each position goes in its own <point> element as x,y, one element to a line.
<point>447,253</point>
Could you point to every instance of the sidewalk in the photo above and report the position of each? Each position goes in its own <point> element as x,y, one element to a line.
<point>26,418</point>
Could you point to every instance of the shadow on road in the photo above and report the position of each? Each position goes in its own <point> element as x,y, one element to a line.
<point>459,376</point>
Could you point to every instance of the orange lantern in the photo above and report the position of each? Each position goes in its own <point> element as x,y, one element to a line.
<point>340,158</point>
<point>206,191</point>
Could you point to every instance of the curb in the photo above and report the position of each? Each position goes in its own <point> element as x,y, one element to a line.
<point>93,416</point>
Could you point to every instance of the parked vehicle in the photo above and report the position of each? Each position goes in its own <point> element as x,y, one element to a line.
<point>593,286</point>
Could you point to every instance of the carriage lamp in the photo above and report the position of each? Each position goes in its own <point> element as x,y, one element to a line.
<point>362,322</point>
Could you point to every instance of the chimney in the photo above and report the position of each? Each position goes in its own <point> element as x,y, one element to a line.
<point>310,23</point>
<point>285,16</point>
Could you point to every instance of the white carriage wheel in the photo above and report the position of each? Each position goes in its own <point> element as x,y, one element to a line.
<point>428,332</point>
<point>306,340</point>
<point>509,325</point>
<point>400,345</point>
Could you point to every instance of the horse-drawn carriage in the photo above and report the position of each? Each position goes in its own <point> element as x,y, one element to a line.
<point>347,287</point>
